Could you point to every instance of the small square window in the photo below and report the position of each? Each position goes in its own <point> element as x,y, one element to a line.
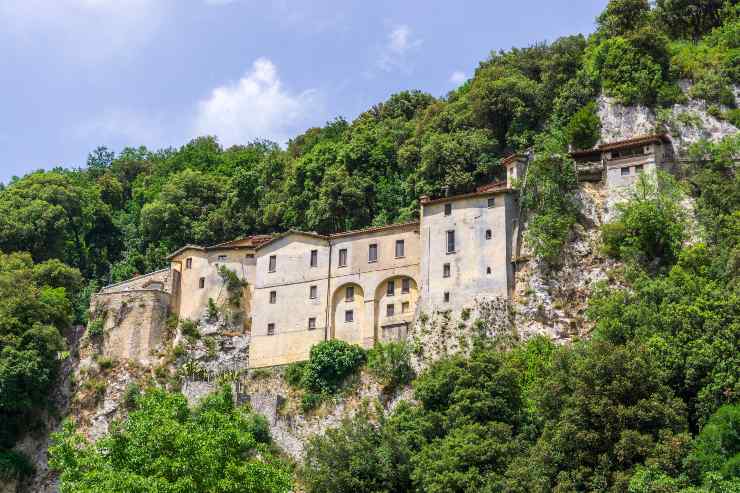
<point>271,329</point>
<point>349,316</point>
<point>343,257</point>
<point>491,202</point>
<point>311,323</point>
<point>639,169</point>
<point>349,294</point>
<point>390,310</point>
<point>223,258</point>
<point>202,282</point>
<point>489,234</point>
<point>314,258</point>
<point>625,171</point>
<point>273,297</point>
<point>447,296</point>
<point>188,263</point>
<point>313,292</point>
<point>448,209</point>
<point>400,249</point>
<point>405,285</point>
<point>249,255</point>
<point>405,307</point>
<point>446,270</point>
<point>391,288</point>
<point>372,253</point>
<point>273,263</point>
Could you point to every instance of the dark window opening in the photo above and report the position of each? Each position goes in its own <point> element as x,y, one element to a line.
<point>448,209</point>
<point>447,296</point>
<point>400,249</point>
<point>491,202</point>
<point>343,257</point>
<point>489,234</point>
<point>313,292</point>
<point>188,263</point>
<point>273,297</point>
<point>311,323</point>
<point>390,310</point>
<point>405,286</point>
<point>349,294</point>
<point>391,288</point>
<point>314,258</point>
<point>450,242</point>
<point>273,263</point>
<point>372,253</point>
<point>271,329</point>
<point>349,316</point>
<point>446,270</point>
<point>202,282</point>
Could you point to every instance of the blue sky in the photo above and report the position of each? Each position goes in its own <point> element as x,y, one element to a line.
<point>75,74</point>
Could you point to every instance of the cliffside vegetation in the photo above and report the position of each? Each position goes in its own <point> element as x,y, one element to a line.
<point>650,404</point>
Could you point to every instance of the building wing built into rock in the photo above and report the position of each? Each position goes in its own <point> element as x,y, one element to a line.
<point>360,286</point>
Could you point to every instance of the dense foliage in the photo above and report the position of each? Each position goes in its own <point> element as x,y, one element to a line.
<point>35,308</point>
<point>165,446</point>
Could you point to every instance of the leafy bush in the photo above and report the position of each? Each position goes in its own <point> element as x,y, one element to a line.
<point>717,448</point>
<point>212,310</point>
<point>310,401</point>
<point>294,373</point>
<point>96,327</point>
<point>14,465</point>
<point>131,396</point>
<point>329,363</point>
<point>390,363</point>
<point>234,285</point>
<point>650,228</point>
<point>164,446</point>
<point>189,329</point>
<point>584,128</point>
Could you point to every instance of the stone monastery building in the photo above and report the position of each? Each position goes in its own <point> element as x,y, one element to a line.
<point>360,286</point>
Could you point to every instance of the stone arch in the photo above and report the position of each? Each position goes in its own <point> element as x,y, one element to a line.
<point>395,326</point>
<point>340,304</point>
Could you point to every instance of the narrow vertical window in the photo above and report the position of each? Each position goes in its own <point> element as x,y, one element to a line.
<point>448,209</point>
<point>391,288</point>
<point>343,257</point>
<point>271,329</point>
<point>491,202</point>
<point>400,249</point>
<point>273,297</point>
<point>273,263</point>
<point>188,263</point>
<point>349,294</point>
<point>447,296</point>
<point>372,253</point>
<point>446,270</point>
<point>405,285</point>
<point>314,258</point>
<point>489,234</point>
<point>450,242</point>
<point>390,310</point>
<point>311,323</point>
<point>349,316</point>
<point>202,282</point>
<point>488,270</point>
<point>313,292</point>
<point>405,307</point>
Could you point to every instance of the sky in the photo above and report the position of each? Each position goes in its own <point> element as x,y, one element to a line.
<point>78,74</point>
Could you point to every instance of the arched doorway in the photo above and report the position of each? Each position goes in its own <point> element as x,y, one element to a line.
<point>348,313</point>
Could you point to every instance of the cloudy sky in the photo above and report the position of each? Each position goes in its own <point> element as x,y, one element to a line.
<point>75,74</point>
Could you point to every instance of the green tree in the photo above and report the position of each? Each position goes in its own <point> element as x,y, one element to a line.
<point>622,17</point>
<point>164,446</point>
<point>689,19</point>
<point>584,128</point>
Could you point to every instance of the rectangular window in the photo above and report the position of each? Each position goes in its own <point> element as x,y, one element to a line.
<point>349,316</point>
<point>391,288</point>
<point>489,234</point>
<point>313,292</point>
<point>447,296</point>
<point>400,249</point>
<point>491,202</point>
<point>311,323</point>
<point>625,171</point>
<point>314,258</point>
<point>271,329</point>
<point>390,310</point>
<point>188,263</point>
<point>343,257</point>
<point>249,255</point>
<point>372,253</point>
<point>405,286</point>
<point>448,209</point>
<point>446,270</point>
<point>223,258</point>
<point>349,294</point>
<point>202,282</point>
<point>450,242</point>
<point>273,297</point>
<point>405,307</point>
<point>273,263</point>
<point>638,169</point>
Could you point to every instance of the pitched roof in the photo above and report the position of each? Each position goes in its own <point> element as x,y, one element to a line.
<point>644,139</point>
<point>512,158</point>
<point>290,232</point>
<point>374,229</point>
<point>489,189</point>
<point>247,242</point>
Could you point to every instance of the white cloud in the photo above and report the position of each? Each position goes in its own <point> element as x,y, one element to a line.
<point>400,42</point>
<point>256,106</point>
<point>90,30</point>
<point>458,77</point>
